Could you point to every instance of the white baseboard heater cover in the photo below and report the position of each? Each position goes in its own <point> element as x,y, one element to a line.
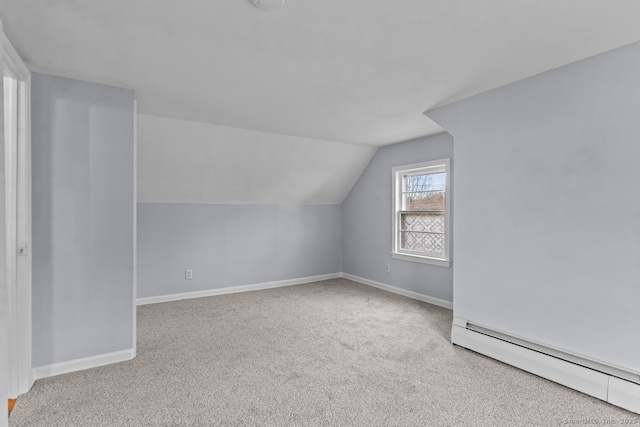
<point>611,384</point>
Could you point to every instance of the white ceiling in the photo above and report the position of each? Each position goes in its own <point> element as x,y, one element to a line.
<point>357,71</point>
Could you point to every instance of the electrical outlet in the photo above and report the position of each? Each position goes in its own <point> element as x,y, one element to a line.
<point>188,274</point>
<point>386,268</point>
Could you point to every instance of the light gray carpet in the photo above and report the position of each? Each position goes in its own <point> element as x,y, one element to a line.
<point>328,353</point>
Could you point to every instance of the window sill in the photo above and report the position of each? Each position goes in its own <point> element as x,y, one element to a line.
<point>422,259</point>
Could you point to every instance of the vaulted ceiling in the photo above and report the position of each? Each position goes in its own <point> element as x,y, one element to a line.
<point>189,162</point>
<point>357,71</point>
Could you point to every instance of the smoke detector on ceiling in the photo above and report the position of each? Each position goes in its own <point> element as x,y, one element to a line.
<point>269,4</point>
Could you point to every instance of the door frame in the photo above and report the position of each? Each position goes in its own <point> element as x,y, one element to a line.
<point>19,294</point>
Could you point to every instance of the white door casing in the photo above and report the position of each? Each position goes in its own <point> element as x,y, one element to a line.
<point>17,209</point>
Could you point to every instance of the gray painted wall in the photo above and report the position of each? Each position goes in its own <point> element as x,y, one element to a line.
<point>232,245</point>
<point>547,243</point>
<point>83,175</point>
<point>367,222</point>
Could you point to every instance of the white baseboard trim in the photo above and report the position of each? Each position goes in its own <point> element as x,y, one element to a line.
<point>236,289</point>
<point>400,291</point>
<point>82,364</point>
<point>622,393</point>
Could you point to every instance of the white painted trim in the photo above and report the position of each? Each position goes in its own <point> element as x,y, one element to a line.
<point>135,227</point>
<point>16,64</point>
<point>232,202</point>
<point>20,304</point>
<point>4,301</point>
<point>422,259</point>
<point>11,144</point>
<point>597,384</point>
<point>400,291</point>
<point>82,364</point>
<point>26,307</point>
<point>236,289</point>
<point>433,166</point>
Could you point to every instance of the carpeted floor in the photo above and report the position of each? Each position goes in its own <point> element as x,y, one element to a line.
<point>329,353</point>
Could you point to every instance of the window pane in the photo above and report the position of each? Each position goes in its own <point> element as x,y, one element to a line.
<point>433,223</point>
<point>422,242</point>
<point>425,182</point>
<point>424,192</point>
<point>424,201</point>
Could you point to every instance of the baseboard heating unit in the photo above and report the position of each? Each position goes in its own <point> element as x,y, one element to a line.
<point>611,384</point>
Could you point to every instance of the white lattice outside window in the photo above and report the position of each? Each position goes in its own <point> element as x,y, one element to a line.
<point>421,217</point>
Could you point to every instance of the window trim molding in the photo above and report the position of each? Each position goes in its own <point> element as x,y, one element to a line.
<point>396,201</point>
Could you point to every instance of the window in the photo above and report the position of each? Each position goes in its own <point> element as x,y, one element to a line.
<point>421,212</point>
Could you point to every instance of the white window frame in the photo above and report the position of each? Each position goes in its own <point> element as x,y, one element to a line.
<point>435,166</point>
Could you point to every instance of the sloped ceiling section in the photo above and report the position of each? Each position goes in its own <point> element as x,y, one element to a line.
<point>189,162</point>
<point>356,71</point>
